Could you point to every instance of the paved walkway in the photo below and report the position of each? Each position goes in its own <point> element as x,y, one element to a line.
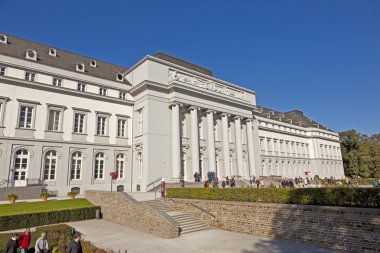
<point>108,235</point>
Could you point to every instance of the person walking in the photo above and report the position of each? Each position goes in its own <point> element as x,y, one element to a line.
<point>75,245</point>
<point>24,240</point>
<point>224,184</point>
<point>42,245</point>
<point>12,245</point>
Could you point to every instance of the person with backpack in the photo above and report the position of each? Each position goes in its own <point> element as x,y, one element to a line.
<point>42,245</point>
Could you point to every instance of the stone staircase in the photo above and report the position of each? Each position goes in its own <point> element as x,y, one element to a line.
<point>187,223</point>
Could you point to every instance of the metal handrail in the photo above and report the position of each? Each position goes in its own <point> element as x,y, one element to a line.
<point>3,183</point>
<point>152,183</point>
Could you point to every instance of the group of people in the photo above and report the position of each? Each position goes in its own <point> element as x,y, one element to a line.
<point>22,242</point>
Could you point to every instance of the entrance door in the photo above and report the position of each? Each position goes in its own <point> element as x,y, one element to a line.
<point>20,167</point>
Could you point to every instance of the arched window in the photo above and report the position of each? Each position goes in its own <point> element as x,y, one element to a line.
<point>76,165</point>
<point>21,164</point>
<point>140,165</point>
<point>120,163</point>
<point>50,165</point>
<point>99,165</point>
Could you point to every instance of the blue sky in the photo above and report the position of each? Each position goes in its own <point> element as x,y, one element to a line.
<point>322,57</point>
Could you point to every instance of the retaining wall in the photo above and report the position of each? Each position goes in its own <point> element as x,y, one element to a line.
<point>121,208</point>
<point>343,228</point>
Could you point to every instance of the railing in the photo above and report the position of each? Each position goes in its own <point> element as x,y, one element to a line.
<point>4,183</point>
<point>34,181</point>
<point>153,184</point>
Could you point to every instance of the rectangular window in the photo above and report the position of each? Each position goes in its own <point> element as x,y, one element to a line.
<point>57,82</point>
<point>30,76</point>
<point>122,95</point>
<point>103,91</point>
<point>2,71</point>
<point>79,120</point>
<point>54,120</point>
<point>122,128</point>
<point>26,116</point>
<point>81,87</point>
<point>101,125</point>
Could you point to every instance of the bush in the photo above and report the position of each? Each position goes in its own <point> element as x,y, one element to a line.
<point>44,195</point>
<point>45,218</point>
<point>12,196</point>
<point>337,196</point>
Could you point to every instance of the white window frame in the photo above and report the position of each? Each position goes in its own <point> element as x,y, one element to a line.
<point>57,108</point>
<point>99,165</point>
<point>82,87</point>
<point>103,91</point>
<point>82,112</point>
<point>122,118</point>
<point>30,76</point>
<point>57,82</point>
<point>74,175</point>
<point>48,161</point>
<point>120,165</point>
<point>106,116</point>
<point>123,95</point>
<point>29,104</point>
<point>3,70</point>
<point>21,157</point>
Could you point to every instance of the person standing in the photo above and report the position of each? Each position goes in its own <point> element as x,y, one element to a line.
<point>12,245</point>
<point>75,245</point>
<point>42,245</point>
<point>24,240</point>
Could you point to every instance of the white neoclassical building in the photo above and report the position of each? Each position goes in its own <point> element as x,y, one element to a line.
<point>70,120</point>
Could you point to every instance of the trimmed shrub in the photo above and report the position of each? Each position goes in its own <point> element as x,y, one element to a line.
<point>336,196</point>
<point>45,218</point>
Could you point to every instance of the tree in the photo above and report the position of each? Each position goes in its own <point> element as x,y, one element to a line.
<point>360,153</point>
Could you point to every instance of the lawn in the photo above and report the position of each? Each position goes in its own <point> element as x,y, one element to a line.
<point>58,236</point>
<point>43,206</point>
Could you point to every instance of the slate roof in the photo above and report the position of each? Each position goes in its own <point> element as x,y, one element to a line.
<point>294,117</point>
<point>66,60</point>
<point>182,63</point>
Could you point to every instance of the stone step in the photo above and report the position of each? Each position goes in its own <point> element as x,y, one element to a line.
<point>184,232</point>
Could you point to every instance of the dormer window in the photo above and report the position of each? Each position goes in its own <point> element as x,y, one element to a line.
<point>93,63</point>
<point>52,52</point>
<point>103,91</point>
<point>31,55</point>
<point>80,67</point>
<point>3,39</point>
<point>119,77</point>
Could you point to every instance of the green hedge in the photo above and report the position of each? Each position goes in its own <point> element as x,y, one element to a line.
<point>337,196</point>
<point>45,218</point>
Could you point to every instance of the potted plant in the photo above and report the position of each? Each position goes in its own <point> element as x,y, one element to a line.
<point>71,195</point>
<point>12,197</point>
<point>44,196</point>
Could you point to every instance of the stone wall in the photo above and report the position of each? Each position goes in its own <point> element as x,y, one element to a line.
<point>344,228</point>
<point>26,192</point>
<point>120,208</point>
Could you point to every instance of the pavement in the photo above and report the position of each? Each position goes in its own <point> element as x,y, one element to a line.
<point>108,235</point>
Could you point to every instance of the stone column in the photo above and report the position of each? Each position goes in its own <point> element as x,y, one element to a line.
<point>226,146</point>
<point>176,142</point>
<point>211,141</point>
<point>250,147</point>
<point>239,147</point>
<point>194,139</point>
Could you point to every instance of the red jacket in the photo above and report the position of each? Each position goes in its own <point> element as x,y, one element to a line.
<point>24,240</point>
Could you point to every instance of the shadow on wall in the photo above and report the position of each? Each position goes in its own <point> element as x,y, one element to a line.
<point>338,228</point>
<point>278,246</point>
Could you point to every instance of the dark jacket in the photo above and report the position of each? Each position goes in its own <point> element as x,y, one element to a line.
<point>75,247</point>
<point>11,247</point>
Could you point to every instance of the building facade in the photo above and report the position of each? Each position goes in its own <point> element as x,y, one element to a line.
<point>69,120</point>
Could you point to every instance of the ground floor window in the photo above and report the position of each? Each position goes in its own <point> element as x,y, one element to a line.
<point>76,165</point>
<point>50,165</point>
<point>120,163</point>
<point>21,164</point>
<point>99,165</point>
